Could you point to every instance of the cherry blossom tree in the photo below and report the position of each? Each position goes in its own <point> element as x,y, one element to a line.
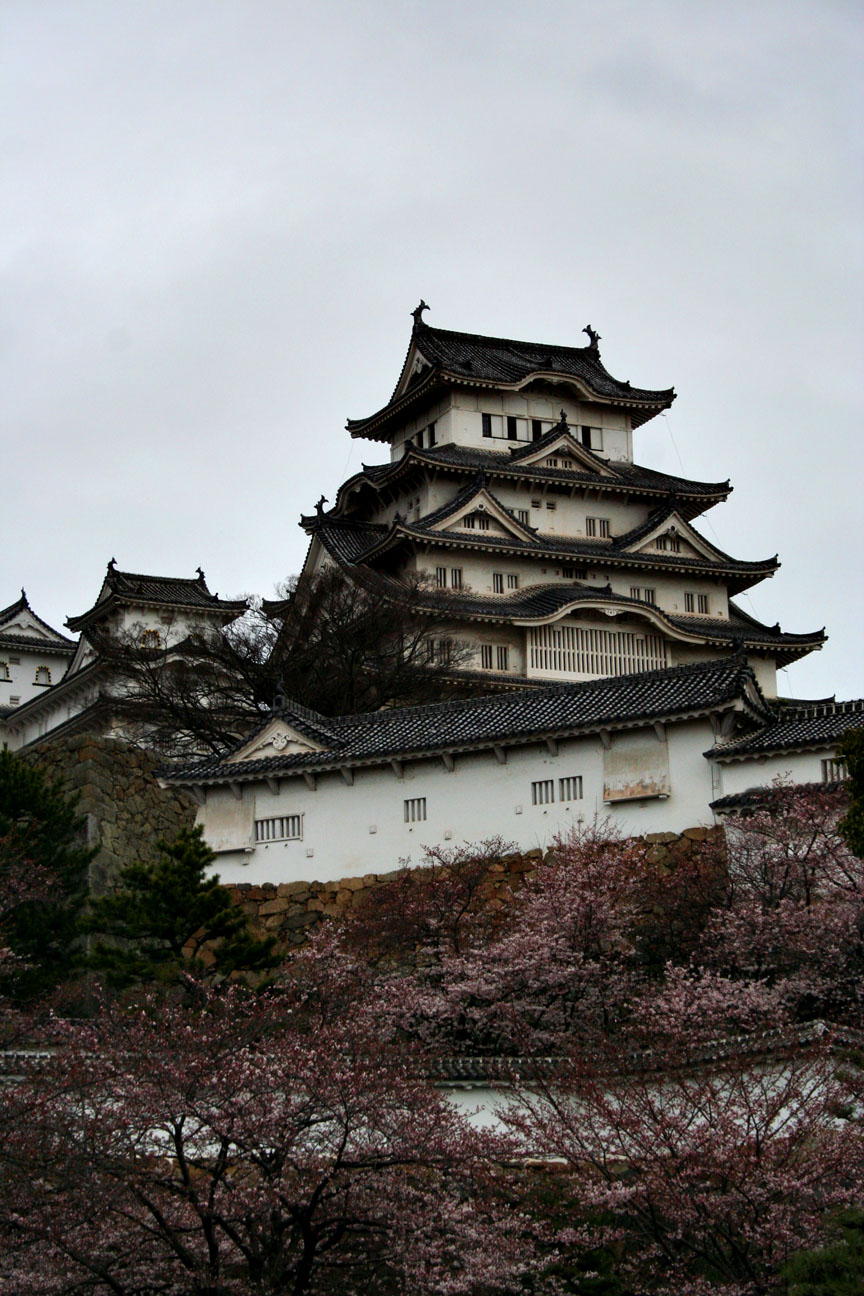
<point>275,1144</point>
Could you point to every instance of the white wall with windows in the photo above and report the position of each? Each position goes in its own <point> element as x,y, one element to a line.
<point>385,816</point>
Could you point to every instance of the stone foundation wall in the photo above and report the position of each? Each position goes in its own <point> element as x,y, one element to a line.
<point>292,911</point>
<point>124,809</point>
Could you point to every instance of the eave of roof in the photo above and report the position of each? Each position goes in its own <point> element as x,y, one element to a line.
<point>155,591</point>
<point>475,360</point>
<point>505,718</point>
<point>631,480</point>
<point>806,728</point>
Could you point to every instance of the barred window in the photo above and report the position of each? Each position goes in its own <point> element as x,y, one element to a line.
<point>689,602</point>
<point>574,573</point>
<point>702,603</point>
<point>502,657</point>
<point>646,595</point>
<point>414,809</point>
<point>597,526</point>
<point>498,582</point>
<point>482,522</point>
<point>543,792</point>
<point>441,577</point>
<point>486,656</point>
<point>536,504</point>
<point>833,770</point>
<point>570,788</point>
<point>512,581</point>
<point>282,828</point>
<point>456,577</point>
<point>523,515</point>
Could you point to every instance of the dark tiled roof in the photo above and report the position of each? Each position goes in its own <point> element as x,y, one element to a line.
<point>797,729</point>
<point>772,796</point>
<point>362,542</point>
<point>178,591</point>
<point>693,496</point>
<point>65,647</point>
<point>505,362</point>
<point>502,718</point>
<point>57,643</point>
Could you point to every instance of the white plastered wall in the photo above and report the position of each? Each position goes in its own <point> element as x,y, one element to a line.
<point>358,829</point>
<point>761,771</point>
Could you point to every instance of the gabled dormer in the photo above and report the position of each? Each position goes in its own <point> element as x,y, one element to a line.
<point>475,511</point>
<point>559,449</point>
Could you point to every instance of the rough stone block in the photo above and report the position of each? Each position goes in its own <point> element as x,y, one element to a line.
<point>277,906</point>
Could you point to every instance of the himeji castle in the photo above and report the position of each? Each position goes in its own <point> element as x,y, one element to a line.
<point>512,489</point>
<point>606,668</point>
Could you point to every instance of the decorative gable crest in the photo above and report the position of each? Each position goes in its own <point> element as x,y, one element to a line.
<point>277,738</point>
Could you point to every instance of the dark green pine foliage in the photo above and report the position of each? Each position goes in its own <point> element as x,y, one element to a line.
<point>851,750</point>
<point>836,1270</point>
<point>44,865</point>
<point>163,915</point>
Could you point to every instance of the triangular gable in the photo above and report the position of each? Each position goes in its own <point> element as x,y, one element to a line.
<point>415,363</point>
<point>277,738</point>
<point>26,623</point>
<point>566,453</point>
<point>485,504</point>
<point>674,528</point>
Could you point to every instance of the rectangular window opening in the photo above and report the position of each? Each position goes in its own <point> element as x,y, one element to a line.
<point>414,809</point>
<point>502,655</point>
<point>834,770</point>
<point>498,582</point>
<point>486,656</point>
<point>543,792</point>
<point>456,578</point>
<point>281,828</point>
<point>441,577</point>
<point>570,788</point>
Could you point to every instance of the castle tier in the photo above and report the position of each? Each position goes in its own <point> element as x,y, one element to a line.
<point>512,493</point>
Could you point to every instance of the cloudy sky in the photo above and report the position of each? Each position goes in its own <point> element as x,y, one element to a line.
<point>218,214</point>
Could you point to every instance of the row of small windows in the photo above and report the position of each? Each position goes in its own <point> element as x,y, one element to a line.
<point>598,526</point>
<point>696,603</point>
<point>43,674</point>
<point>569,789</point>
<point>502,579</point>
<point>497,653</point>
<point>668,544</point>
<point>455,577</point>
<point>646,595</point>
<point>509,427</point>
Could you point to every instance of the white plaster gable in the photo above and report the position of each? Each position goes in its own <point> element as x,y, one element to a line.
<point>566,452</point>
<point>278,738</point>
<point>692,545</point>
<point>501,523</point>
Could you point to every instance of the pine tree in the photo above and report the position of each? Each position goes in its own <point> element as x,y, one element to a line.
<point>166,917</point>
<point>44,879</point>
<point>851,750</point>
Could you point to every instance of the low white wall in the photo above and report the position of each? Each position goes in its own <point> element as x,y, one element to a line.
<point>794,767</point>
<point>352,830</point>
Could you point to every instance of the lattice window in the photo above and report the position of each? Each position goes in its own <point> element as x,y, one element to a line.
<point>597,526</point>
<point>583,650</point>
<point>702,603</point>
<point>498,582</point>
<point>512,581</point>
<point>570,788</point>
<point>486,656</point>
<point>414,809</point>
<point>441,577</point>
<point>689,602</point>
<point>646,595</point>
<point>280,828</point>
<point>833,770</point>
<point>523,515</point>
<point>455,577</point>
<point>502,657</point>
<point>574,573</point>
<point>543,792</point>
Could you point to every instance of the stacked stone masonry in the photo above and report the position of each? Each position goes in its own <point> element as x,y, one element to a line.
<point>292,911</point>
<point>125,810</point>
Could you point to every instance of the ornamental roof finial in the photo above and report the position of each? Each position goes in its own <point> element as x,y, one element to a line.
<point>319,507</point>
<point>593,338</point>
<point>563,422</point>
<point>112,564</point>
<point>200,572</point>
<point>418,313</point>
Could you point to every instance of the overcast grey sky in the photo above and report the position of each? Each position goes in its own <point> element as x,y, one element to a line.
<point>217,215</point>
